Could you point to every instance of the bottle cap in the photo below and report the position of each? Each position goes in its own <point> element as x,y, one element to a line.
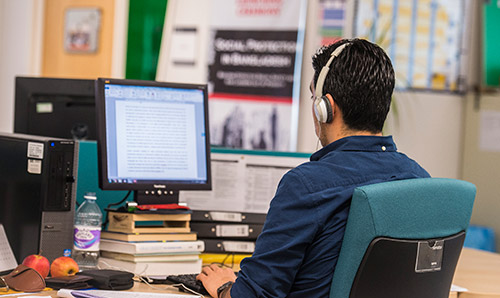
<point>90,196</point>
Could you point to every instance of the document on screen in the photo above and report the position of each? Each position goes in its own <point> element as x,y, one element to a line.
<point>145,141</point>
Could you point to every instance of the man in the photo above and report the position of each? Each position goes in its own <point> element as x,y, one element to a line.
<point>297,251</point>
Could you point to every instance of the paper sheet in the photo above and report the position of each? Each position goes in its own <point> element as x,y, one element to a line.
<point>455,288</point>
<point>66,293</point>
<point>184,46</point>
<point>7,259</point>
<point>489,131</point>
<point>241,183</point>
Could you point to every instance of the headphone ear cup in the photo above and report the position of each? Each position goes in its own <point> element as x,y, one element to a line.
<point>323,109</point>
<point>329,109</point>
<point>319,109</point>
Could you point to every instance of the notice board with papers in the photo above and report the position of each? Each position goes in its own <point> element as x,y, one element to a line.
<point>243,180</point>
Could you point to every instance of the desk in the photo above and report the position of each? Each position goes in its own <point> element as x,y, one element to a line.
<point>479,272</point>
<point>157,288</point>
<point>138,287</point>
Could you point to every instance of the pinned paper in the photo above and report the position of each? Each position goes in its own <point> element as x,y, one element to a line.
<point>489,131</point>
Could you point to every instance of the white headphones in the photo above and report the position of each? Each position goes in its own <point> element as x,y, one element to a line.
<point>323,105</point>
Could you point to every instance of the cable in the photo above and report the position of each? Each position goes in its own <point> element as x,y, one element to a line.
<point>145,278</point>
<point>189,290</point>
<point>106,220</point>
<point>223,263</point>
<point>123,200</point>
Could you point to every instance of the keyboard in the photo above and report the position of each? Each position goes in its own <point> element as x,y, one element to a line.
<point>189,281</point>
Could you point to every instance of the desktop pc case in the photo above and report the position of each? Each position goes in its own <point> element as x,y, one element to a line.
<point>37,193</point>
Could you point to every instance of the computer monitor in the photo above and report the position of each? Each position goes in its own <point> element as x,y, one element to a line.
<point>55,107</point>
<point>152,138</point>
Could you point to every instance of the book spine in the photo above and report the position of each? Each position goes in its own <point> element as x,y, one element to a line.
<point>170,247</point>
<point>153,247</point>
<point>153,268</point>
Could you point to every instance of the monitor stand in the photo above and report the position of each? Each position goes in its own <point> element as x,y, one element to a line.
<point>148,197</point>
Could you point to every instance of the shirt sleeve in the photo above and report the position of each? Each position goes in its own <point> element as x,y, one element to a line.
<point>289,229</point>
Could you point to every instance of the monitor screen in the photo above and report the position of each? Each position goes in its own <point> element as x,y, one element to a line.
<point>152,138</point>
<point>55,107</point>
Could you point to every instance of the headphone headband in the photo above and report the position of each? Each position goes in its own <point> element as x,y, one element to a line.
<point>324,71</point>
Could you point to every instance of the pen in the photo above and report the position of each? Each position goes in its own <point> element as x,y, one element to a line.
<point>82,294</point>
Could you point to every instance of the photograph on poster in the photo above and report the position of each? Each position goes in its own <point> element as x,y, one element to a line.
<point>250,124</point>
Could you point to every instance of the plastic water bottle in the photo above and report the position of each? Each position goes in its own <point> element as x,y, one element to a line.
<point>87,234</point>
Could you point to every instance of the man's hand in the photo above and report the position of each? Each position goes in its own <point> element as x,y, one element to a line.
<point>214,276</point>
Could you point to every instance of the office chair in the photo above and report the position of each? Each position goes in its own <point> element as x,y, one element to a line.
<point>403,239</point>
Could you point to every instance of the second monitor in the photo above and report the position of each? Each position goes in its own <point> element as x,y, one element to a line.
<point>153,138</point>
<point>55,107</point>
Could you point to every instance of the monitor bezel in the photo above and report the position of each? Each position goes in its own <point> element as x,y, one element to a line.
<point>164,185</point>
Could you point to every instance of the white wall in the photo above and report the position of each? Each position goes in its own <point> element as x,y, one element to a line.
<point>185,14</point>
<point>428,127</point>
<point>20,22</point>
<point>120,39</point>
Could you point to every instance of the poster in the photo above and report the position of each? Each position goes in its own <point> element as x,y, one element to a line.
<point>423,39</point>
<point>254,59</point>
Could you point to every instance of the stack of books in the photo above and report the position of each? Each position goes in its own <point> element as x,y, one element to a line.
<point>151,244</point>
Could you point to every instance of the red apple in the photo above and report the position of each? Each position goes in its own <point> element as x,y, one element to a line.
<point>39,263</point>
<point>63,266</point>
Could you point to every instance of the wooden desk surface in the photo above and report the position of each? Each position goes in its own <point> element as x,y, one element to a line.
<point>479,272</point>
<point>142,287</point>
<point>138,287</point>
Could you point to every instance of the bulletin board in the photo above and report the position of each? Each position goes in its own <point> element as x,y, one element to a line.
<point>424,39</point>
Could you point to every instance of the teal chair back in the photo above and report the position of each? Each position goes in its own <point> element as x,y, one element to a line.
<point>404,215</point>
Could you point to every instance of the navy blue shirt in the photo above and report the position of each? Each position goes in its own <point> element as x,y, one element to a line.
<point>296,253</point>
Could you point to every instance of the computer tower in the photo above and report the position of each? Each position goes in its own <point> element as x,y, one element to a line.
<point>37,193</point>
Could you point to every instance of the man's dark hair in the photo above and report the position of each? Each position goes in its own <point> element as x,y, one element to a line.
<point>360,80</point>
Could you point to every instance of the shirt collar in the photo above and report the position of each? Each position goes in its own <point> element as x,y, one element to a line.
<point>357,143</point>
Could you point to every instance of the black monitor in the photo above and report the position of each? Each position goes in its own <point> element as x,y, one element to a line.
<point>53,107</point>
<point>153,138</point>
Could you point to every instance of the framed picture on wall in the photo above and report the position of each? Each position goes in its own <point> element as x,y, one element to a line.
<point>81,30</point>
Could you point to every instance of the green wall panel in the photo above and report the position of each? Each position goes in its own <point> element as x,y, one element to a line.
<point>145,28</point>
<point>491,29</point>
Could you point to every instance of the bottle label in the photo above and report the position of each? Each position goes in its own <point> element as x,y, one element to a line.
<point>87,238</point>
<point>67,253</point>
